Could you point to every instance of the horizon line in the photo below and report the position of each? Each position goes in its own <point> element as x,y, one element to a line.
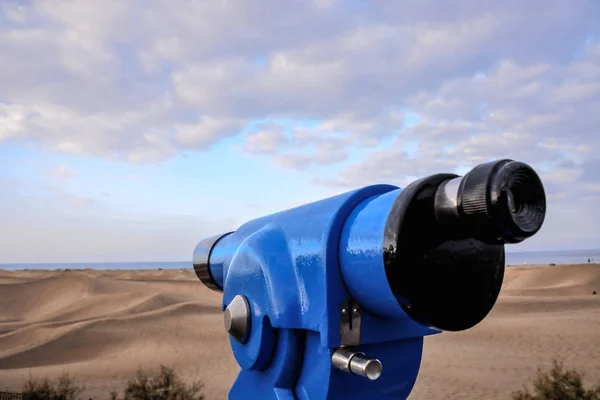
<point>191,262</point>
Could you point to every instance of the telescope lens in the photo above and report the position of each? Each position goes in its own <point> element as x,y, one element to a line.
<point>502,201</point>
<point>444,240</point>
<point>210,273</point>
<point>526,200</point>
<point>441,277</point>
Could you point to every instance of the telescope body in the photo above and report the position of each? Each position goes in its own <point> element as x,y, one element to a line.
<point>331,300</point>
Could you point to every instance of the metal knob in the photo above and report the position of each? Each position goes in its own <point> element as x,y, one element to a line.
<point>356,363</point>
<point>237,319</point>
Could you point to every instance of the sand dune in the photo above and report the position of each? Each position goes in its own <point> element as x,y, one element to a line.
<point>572,281</point>
<point>102,325</point>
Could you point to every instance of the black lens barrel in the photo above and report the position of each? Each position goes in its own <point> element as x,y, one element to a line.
<point>445,236</point>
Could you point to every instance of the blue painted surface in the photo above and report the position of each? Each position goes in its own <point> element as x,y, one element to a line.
<point>361,256</point>
<point>289,265</point>
<point>361,265</point>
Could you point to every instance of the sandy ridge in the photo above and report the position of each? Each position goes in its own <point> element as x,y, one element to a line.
<point>102,325</point>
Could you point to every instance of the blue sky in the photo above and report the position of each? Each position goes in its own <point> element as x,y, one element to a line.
<point>129,135</point>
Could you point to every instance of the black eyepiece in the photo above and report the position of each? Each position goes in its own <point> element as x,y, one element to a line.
<point>503,200</point>
<point>496,202</point>
<point>445,236</point>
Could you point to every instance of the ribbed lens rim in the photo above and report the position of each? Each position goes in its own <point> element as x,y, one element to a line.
<point>526,199</point>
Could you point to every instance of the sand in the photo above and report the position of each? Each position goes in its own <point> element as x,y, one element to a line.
<point>101,325</point>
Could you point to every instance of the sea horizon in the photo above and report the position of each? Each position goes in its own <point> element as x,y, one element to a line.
<point>557,257</point>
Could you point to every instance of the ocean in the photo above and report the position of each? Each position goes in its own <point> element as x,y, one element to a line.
<point>512,258</point>
<point>553,257</point>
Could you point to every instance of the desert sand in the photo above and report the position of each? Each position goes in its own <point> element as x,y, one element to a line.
<point>101,325</point>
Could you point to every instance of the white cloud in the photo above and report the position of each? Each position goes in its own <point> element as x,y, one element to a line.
<point>62,172</point>
<point>62,227</point>
<point>115,73</point>
<point>593,187</point>
<point>268,140</point>
<point>487,79</point>
<point>545,127</point>
<point>205,132</point>
<point>12,120</point>
<point>57,190</point>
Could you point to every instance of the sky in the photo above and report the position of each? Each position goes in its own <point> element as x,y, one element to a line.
<point>130,129</point>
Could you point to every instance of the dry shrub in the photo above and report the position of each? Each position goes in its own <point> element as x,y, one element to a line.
<point>559,383</point>
<point>164,384</point>
<point>64,389</point>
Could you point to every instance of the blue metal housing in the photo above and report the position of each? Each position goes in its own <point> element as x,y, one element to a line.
<point>296,268</point>
<point>370,271</point>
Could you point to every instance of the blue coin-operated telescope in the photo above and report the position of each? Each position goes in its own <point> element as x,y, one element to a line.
<point>331,300</point>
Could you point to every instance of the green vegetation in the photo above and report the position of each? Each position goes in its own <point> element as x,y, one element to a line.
<point>559,383</point>
<point>163,384</point>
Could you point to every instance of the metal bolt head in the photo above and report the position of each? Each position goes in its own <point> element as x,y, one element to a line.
<point>237,318</point>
